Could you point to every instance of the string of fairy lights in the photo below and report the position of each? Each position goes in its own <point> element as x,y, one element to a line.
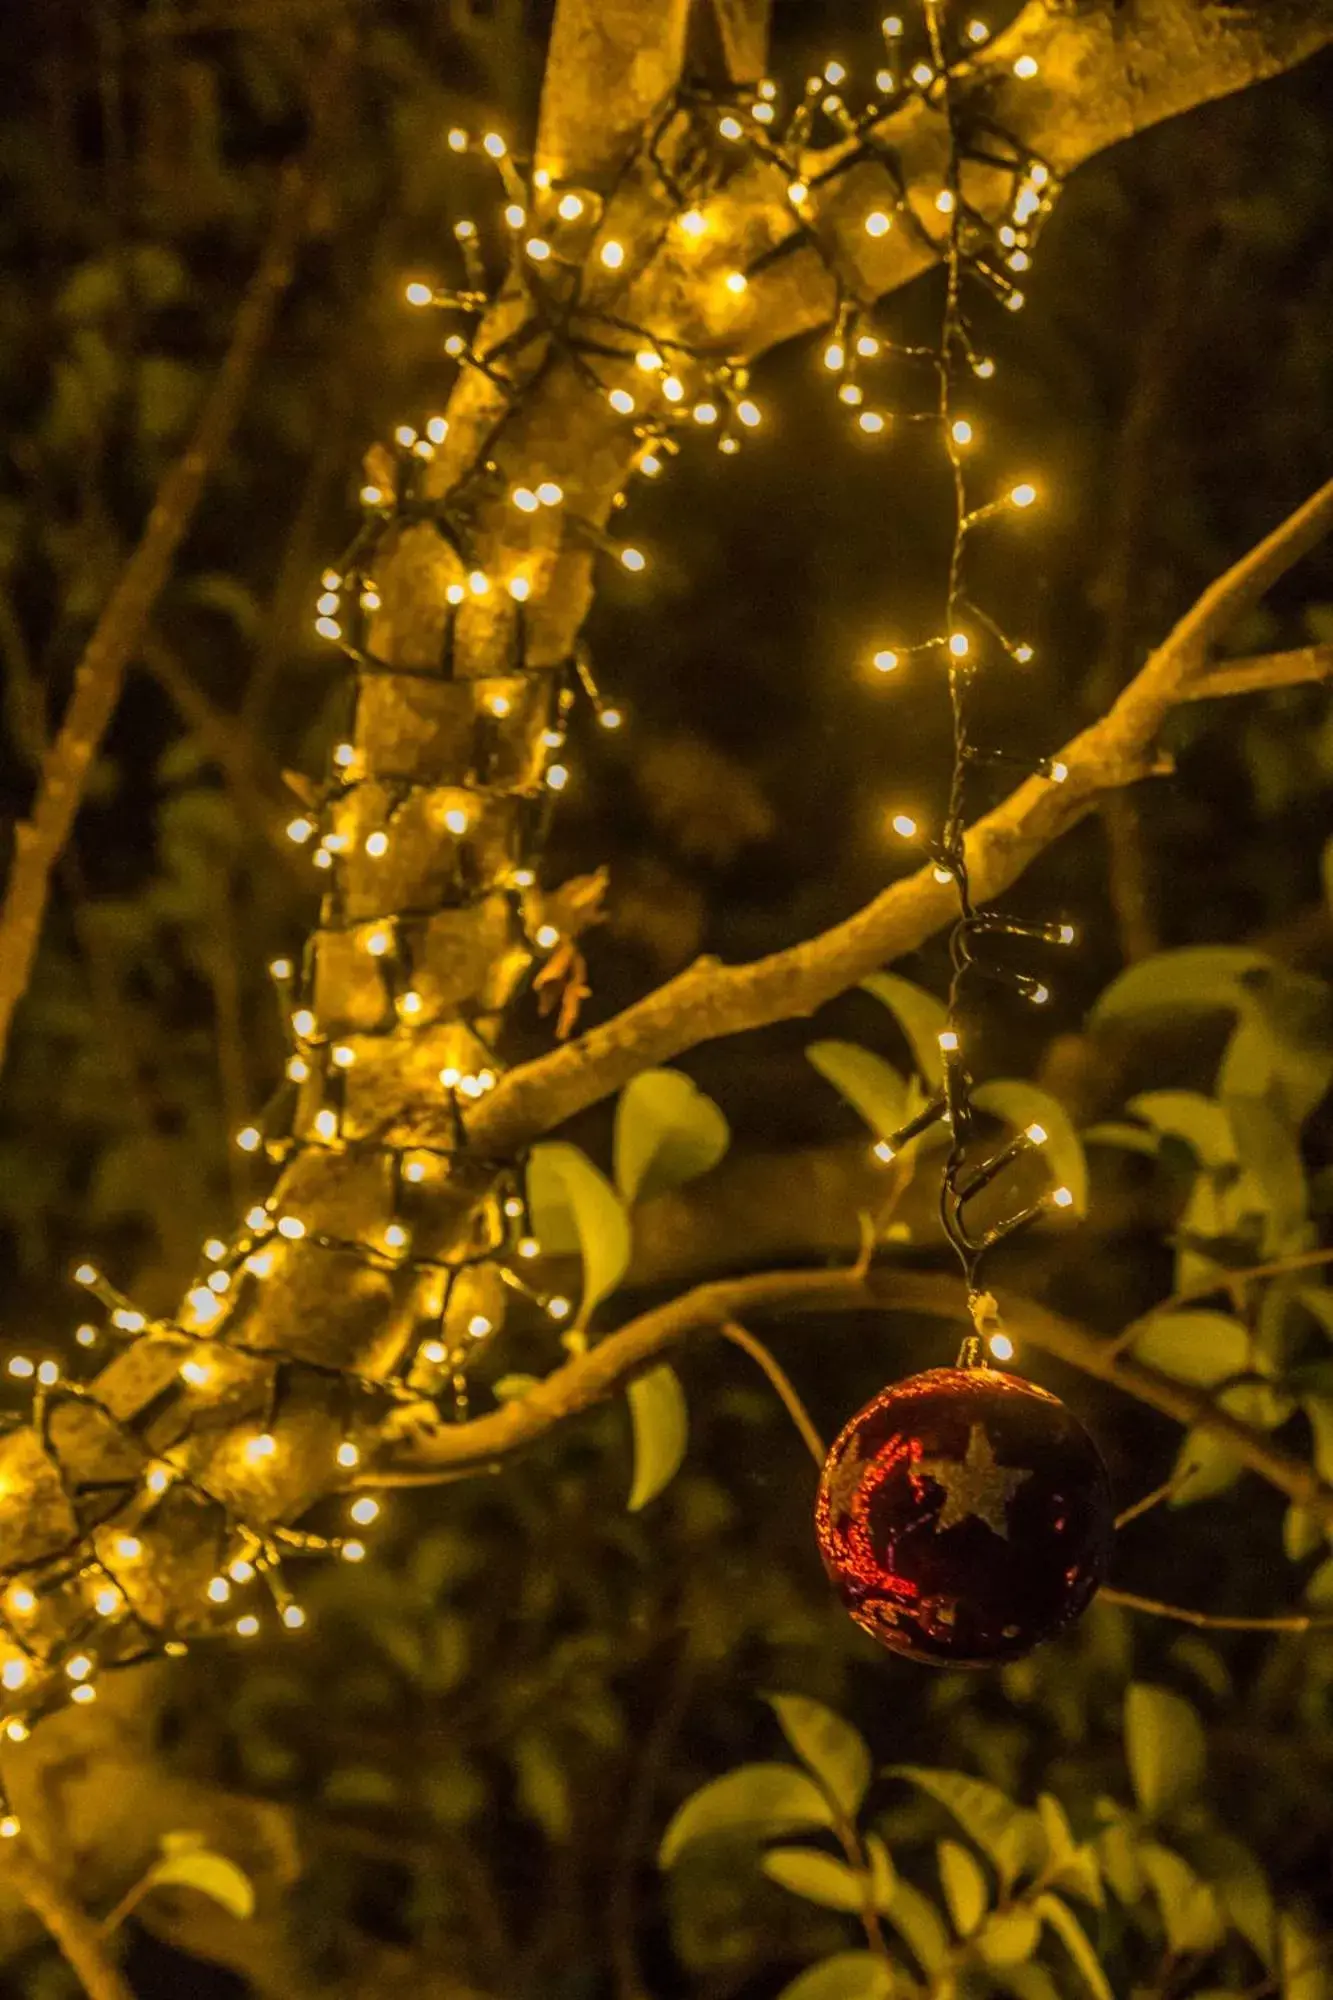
<point>570,260</point>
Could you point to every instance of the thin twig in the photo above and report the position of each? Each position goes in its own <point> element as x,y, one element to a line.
<point>72,1929</point>
<point>1150,1500</point>
<point>100,673</point>
<point>782,1383</point>
<point>1262,672</point>
<point>1209,1621</point>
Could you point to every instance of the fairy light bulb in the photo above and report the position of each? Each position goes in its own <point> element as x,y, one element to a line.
<point>730,128</point>
<point>612,255</point>
<point>948,1041</point>
<point>14,1674</point>
<point>293,1617</point>
<point>1036,1135</point>
<point>835,354</point>
<point>17,1732</point>
<point>959,645</point>
<point>84,1693</point>
<point>516,215</point>
<point>705,413</point>
<point>478,582</point>
<point>694,223</point>
<point>547,937</point>
<point>364,1511</point>
<point>1023,654</point>
<point>878,223</point>
<point>395,1236</point>
<point>347,1455</point>
<point>457,140</point>
<point>298,1069</point>
<point>797,192</point>
<point>11,1824</point>
<point>538,249</point>
<point>86,1335</point>
<point>945,202</point>
<point>378,943</point>
<point>524,499</point>
<point>1063,1197</point>
<point>292,1227</point>
<point>219,1590</point>
<point>1026,67</point>
<point>300,830</point>
<point>749,414</point>
<point>247,1625</point>
<point>883,1152</point>
<point>736,282</point>
<point>433,1351</point>
<point>871,422</point>
<point>241,1571</point>
<point>437,429</point>
<point>1001,1346</point>
<point>493,144</point>
<point>528,1246</point>
<point>342,1056</point>
<point>259,1448</point>
<point>621,402</point>
<point>885,661</point>
<point>79,1667</point>
<point>377,844</point>
<point>557,777</point>
<point>1065,934</point>
<point>22,1600</point>
<point>673,388</point>
<point>922,75</point>
<point>455,820</point>
<point>904,825</point>
<point>977,32</point>
<point>634,559</point>
<point>609,718</point>
<point>961,431</point>
<point>249,1139</point>
<point>353,1552</point>
<point>558,1308</point>
<point>196,1373</point>
<point>479,1326</point>
<point>1022,495</point>
<point>570,207</point>
<point>303,1023</point>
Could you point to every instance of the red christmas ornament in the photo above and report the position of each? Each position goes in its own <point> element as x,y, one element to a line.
<point>964,1516</point>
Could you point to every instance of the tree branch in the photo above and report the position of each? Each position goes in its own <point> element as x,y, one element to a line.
<point>1262,672</point>
<point>100,673</point>
<point>609,66</point>
<point>72,1929</point>
<point>423,1456</point>
<point>709,1000</point>
<point>1208,1621</point>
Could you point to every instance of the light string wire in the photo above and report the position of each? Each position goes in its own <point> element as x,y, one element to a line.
<point>89,1581</point>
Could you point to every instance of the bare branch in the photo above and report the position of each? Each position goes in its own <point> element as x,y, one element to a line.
<point>100,673</point>
<point>1263,672</point>
<point>742,27</point>
<point>741,1337</point>
<point>72,1929</point>
<point>1208,1621</point>
<point>709,999</point>
<point>424,1456</point>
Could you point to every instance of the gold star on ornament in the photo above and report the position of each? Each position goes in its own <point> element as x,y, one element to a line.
<point>974,1485</point>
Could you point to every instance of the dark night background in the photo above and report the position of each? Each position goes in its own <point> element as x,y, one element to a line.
<point>486,1728</point>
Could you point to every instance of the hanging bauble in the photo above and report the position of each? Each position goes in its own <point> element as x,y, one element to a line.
<point>964,1516</point>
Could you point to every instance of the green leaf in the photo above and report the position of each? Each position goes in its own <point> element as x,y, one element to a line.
<point>1319,1409</point>
<point>919,1925</point>
<point>966,1890</point>
<point>1319,1590</point>
<point>832,1749</point>
<point>870,1085</point>
<point>1164,1745</point>
<point>1130,1138</point>
<point>819,1877</point>
<point>1009,1937</point>
<point>543,1787</point>
<point>1075,1940</point>
<point>513,1388</point>
<point>883,1877</point>
<point>661,1425</point>
<point>1200,1121</point>
<point>1273,1169</point>
<point>759,1801</point>
<point>848,1975</point>
<point>667,1132</point>
<point>1305,1967</point>
<point>1021,1104</point>
<point>1072,1865</point>
<point>567,1196</point>
<point>1207,977</point>
<point>1205,1466</point>
<point>211,1874</point>
<point>1010,1835</point>
<point>919,1014</point>
<point>1190,1916</point>
<point>1282,1046</point>
<point>1202,1347</point>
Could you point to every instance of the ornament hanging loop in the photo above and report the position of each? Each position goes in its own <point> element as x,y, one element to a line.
<point>985,1315</point>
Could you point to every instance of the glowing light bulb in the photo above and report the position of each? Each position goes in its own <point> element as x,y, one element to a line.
<point>378,943</point>
<point>353,1552</point>
<point>570,207</point>
<point>479,1326</point>
<point>1037,1135</point>
<point>528,1246</point>
<point>705,413</point>
<point>86,1335</point>
<point>550,494</point>
<point>730,128</point>
<point>371,496</point>
<point>736,282</point>
<point>851,394</point>
<point>478,582</point>
<point>293,1617</point>
<point>558,1308</point>
<point>17,1732</point>
<point>432,1351</point>
<point>348,1455</point>
<point>1063,1197</point>
<point>904,825</point>
<point>673,388</point>
<point>922,75</point>
<point>14,1673</point>
<point>260,1447</point>
<point>1026,66</point>
<point>948,1041</point>
<point>749,414</point>
<point>878,223</point>
<point>1023,654</point>
<point>292,1227</point>
<point>248,1139</point>
<point>300,830</point>
<point>547,937</point>
<point>516,215</point>
<point>395,1236</point>
<point>883,1151</point>
<point>835,354</point>
<point>364,1511</point>
<point>494,145</point>
<point>458,140</point>
<point>525,500</point>
<point>959,645</point>
<point>538,249</point>
<point>871,422</point>
<point>86,1693</point>
<point>247,1625</point>
<point>303,1023</point>
<point>885,661</point>
<point>1001,1346</point>
<point>157,1479</point>
<point>1065,934</point>
<point>633,559</point>
<point>377,843</point>
<point>10,1825</point>
<point>621,402</point>
<point>410,1004</point>
<point>797,192</point>
<point>241,1571</point>
<point>694,222</point>
<point>612,255</point>
<point>456,821</point>
<point>557,777</point>
<point>961,431</point>
<point>79,1667</point>
<point>1023,495</point>
<point>977,31</point>
<point>1039,995</point>
<point>219,1590</point>
<point>834,73</point>
<point>520,589</point>
<point>437,429</point>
